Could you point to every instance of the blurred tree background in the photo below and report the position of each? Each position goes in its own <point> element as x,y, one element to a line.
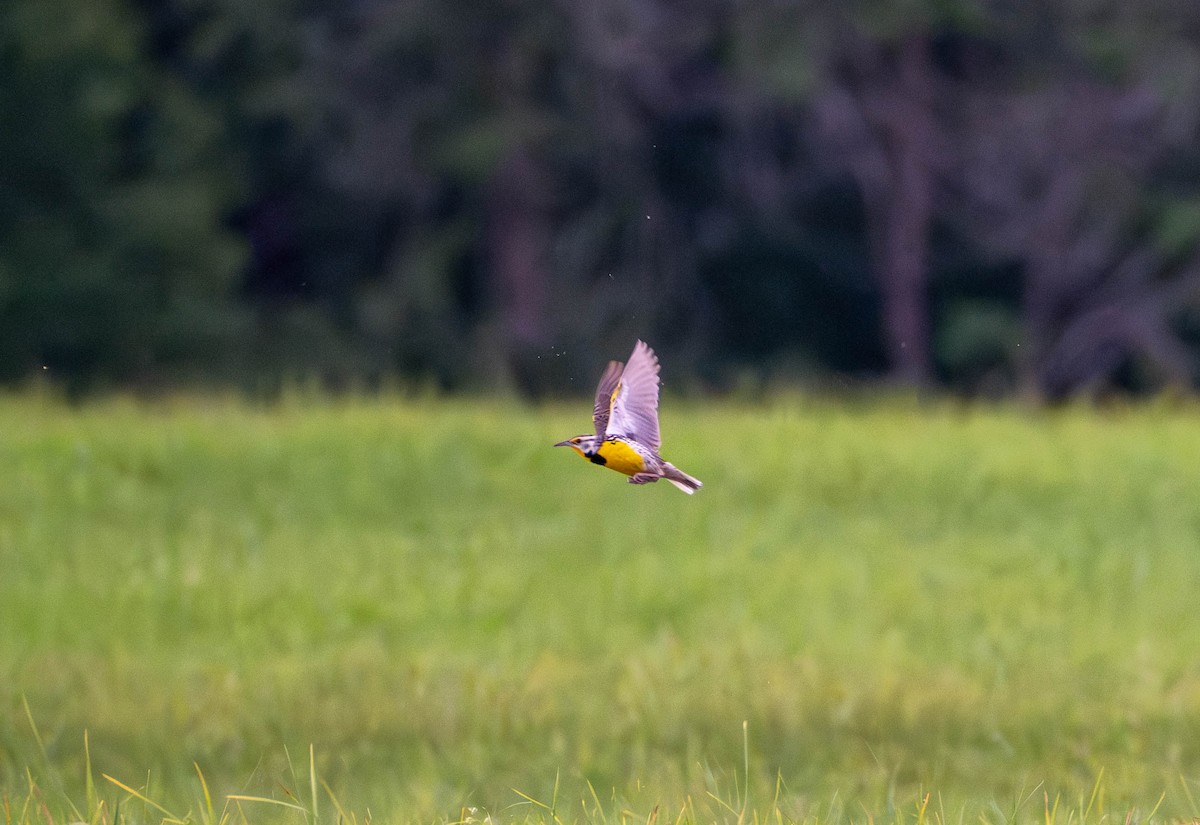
<point>987,197</point>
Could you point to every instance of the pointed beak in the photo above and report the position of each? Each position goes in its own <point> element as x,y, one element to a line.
<point>563,444</point>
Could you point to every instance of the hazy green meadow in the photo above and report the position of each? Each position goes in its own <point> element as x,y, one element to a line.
<point>997,607</point>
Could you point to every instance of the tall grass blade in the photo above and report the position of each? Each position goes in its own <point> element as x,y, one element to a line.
<point>265,800</point>
<point>342,815</point>
<point>312,782</point>
<point>1187,791</point>
<point>745,769</point>
<point>1095,794</point>
<point>170,817</point>
<point>89,787</point>
<point>208,803</point>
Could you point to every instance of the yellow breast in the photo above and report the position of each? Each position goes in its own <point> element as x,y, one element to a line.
<point>621,457</point>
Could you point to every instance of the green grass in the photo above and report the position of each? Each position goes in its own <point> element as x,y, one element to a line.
<point>998,608</point>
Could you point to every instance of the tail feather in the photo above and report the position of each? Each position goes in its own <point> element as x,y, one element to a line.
<point>681,479</point>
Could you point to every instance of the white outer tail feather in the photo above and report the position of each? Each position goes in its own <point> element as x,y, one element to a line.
<point>681,479</point>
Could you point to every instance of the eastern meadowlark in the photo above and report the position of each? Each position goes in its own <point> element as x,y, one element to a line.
<point>626,419</point>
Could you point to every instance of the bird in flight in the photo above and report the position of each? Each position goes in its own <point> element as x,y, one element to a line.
<point>626,419</point>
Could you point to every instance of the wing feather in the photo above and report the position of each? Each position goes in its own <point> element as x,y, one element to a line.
<point>604,397</point>
<point>635,403</point>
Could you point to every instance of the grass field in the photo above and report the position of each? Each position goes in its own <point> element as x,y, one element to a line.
<point>998,608</point>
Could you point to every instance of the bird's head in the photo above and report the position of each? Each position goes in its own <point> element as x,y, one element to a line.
<point>585,445</point>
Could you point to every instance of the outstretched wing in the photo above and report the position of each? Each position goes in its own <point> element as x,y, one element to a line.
<point>604,397</point>
<point>635,405</point>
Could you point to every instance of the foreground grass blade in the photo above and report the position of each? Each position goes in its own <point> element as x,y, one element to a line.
<point>170,817</point>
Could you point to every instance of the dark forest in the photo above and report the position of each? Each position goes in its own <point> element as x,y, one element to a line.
<point>984,198</point>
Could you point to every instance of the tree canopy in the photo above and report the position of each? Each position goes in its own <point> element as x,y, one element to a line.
<point>987,197</point>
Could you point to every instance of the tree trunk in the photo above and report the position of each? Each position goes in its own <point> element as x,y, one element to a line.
<point>903,215</point>
<point>519,247</point>
<point>518,256</point>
